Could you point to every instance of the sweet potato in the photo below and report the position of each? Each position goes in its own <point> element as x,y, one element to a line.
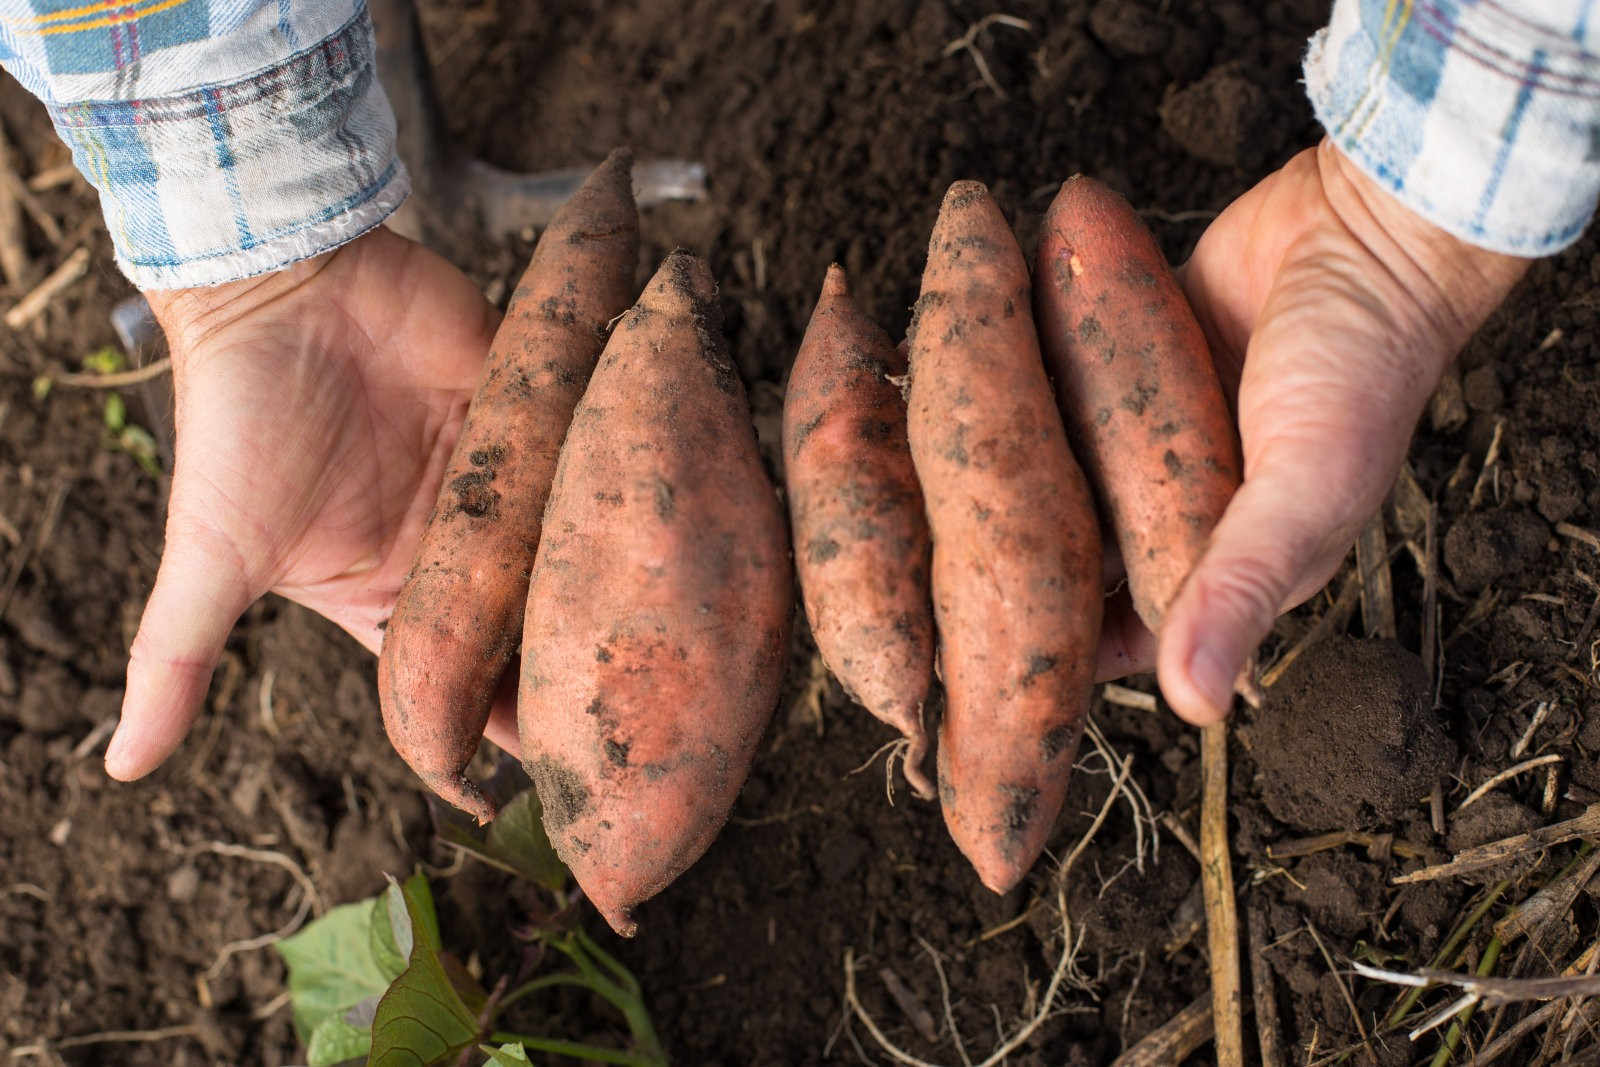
<point>855,510</point>
<point>1016,545</point>
<point>659,607</point>
<point>457,621</point>
<point>1137,388</point>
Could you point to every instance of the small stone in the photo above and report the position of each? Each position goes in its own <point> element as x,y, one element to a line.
<point>182,884</point>
<point>1481,389</point>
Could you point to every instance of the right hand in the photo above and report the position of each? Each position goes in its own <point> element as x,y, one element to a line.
<point>1332,311</point>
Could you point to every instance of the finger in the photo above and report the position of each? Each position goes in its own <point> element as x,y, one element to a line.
<point>1279,541</point>
<point>1126,645</point>
<point>502,725</point>
<point>200,592</point>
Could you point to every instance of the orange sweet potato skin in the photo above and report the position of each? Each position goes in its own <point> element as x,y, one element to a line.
<point>1137,388</point>
<point>1016,547</point>
<point>457,620</point>
<point>863,550</point>
<point>660,603</point>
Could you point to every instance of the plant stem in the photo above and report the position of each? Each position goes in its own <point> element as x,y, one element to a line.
<point>1456,937</point>
<point>1452,1040</point>
<point>545,982</point>
<point>576,1049</point>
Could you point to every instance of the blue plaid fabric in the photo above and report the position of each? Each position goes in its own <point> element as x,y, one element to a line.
<point>226,137</point>
<point>1483,116</point>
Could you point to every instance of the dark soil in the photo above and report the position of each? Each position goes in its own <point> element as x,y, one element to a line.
<point>830,131</point>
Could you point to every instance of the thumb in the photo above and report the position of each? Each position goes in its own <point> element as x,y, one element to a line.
<point>1273,548</point>
<point>1324,422</point>
<point>200,592</point>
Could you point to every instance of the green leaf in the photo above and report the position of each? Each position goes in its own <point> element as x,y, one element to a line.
<point>334,1041</point>
<point>517,836</point>
<point>515,842</point>
<point>104,361</point>
<point>422,1018</point>
<point>137,442</point>
<point>42,386</point>
<point>116,412</point>
<point>332,966</point>
<point>507,1055</point>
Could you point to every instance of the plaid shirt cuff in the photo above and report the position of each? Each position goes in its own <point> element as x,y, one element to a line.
<point>1480,117</point>
<point>216,183</point>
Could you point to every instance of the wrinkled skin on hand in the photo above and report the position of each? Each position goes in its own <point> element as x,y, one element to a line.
<point>1332,311</point>
<point>316,408</point>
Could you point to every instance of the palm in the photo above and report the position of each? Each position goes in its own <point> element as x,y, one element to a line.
<point>1332,311</point>
<point>316,451</point>
<point>315,414</point>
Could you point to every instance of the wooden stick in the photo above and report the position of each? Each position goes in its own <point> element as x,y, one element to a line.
<point>53,178</point>
<point>32,306</point>
<point>1430,595</point>
<point>146,373</point>
<point>1262,993</point>
<point>1507,774</point>
<point>1489,460</point>
<point>1222,920</point>
<point>1123,697</point>
<point>14,261</point>
<point>1498,852</point>
<point>1578,533</point>
<point>1377,584</point>
<point>1175,1040</point>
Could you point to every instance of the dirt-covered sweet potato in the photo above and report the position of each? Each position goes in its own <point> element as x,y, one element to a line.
<point>659,607</point>
<point>1138,391</point>
<point>855,509</point>
<point>457,621</point>
<point>1016,544</point>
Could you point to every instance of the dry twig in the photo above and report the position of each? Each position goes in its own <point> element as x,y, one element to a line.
<point>1377,585</point>
<point>1344,989</point>
<point>1222,921</point>
<point>1506,775</point>
<point>1490,458</point>
<point>969,42</point>
<point>1173,1041</point>
<point>107,1037</point>
<point>118,380</point>
<point>1262,994</point>
<point>1497,852</point>
<point>63,277</point>
<point>14,261</point>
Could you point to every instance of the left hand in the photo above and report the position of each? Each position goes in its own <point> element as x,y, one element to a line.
<point>316,408</point>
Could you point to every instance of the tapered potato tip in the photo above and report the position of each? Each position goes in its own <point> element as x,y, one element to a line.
<point>835,287</point>
<point>1001,856</point>
<point>603,204</point>
<point>685,276</point>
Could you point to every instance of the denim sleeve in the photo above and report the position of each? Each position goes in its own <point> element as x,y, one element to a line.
<point>1483,116</point>
<point>226,138</point>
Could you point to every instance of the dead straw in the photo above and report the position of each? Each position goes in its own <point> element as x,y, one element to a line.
<point>1222,920</point>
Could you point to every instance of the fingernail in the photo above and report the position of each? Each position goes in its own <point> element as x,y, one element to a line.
<point>114,751</point>
<point>1213,675</point>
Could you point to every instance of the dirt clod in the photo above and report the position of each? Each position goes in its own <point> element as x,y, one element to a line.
<point>1492,818</point>
<point>1348,738</point>
<point>1218,118</point>
<point>1489,545</point>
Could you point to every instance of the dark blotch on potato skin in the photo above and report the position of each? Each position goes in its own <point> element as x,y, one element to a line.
<point>822,549</point>
<point>617,751</point>
<point>474,495</point>
<point>561,791</point>
<point>1022,803</point>
<point>1039,663</point>
<point>1055,742</point>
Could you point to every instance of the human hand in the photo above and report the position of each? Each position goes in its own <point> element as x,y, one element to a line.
<point>316,408</point>
<point>1332,311</point>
